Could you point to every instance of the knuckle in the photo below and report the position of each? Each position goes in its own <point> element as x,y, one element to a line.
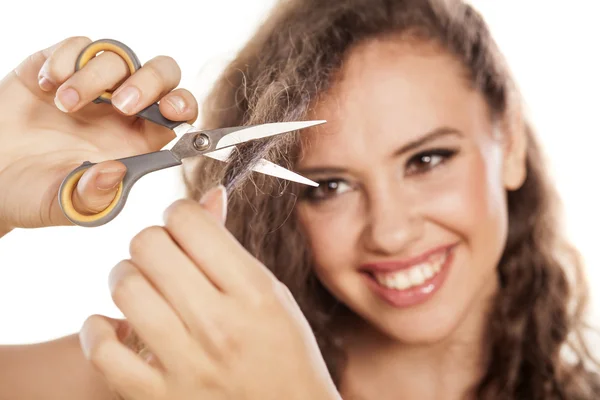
<point>267,290</point>
<point>165,69</point>
<point>224,340</point>
<point>78,40</point>
<point>155,74</point>
<point>179,212</point>
<point>170,65</point>
<point>166,61</point>
<point>265,298</point>
<point>99,352</point>
<point>54,67</point>
<point>144,240</point>
<point>92,75</point>
<point>91,322</point>
<point>207,378</point>
<point>123,282</point>
<point>52,70</point>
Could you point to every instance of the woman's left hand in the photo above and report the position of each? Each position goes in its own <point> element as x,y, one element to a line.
<point>218,323</point>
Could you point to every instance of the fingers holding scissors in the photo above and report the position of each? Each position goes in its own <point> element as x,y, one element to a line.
<point>82,71</point>
<point>159,77</point>
<point>80,80</point>
<point>76,89</point>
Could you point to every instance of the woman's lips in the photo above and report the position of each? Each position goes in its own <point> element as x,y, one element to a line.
<point>410,282</point>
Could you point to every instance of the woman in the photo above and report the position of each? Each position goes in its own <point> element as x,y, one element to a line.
<point>429,262</point>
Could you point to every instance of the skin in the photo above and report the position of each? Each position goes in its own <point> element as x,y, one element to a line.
<point>213,304</point>
<point>30,97</point>
<point>389,207</point>
<point>192,344</point>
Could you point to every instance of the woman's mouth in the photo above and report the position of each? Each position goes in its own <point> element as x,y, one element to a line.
<point>413,276</point>
<point>410,282</point>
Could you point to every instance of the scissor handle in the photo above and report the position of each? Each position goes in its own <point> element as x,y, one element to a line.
<point>152,112</point>
<point>137,167</point>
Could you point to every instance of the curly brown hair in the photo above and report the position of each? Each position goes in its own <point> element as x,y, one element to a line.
<point>279,76</point>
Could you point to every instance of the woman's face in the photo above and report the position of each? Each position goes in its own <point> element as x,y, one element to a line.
<point>410,219</point>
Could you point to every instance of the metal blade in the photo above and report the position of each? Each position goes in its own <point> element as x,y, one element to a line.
<point>179,130</point>
<point>197,142</point>
<point>244,134</point>
<point>265,167</point>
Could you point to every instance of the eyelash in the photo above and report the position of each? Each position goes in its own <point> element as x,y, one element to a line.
<point>443,154</point>
<point>313,194</point>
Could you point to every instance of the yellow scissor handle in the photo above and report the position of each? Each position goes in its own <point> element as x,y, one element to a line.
<point>114,46</point>
<point>66,200</point>
<point>150,113</point>
<point>137,167</point>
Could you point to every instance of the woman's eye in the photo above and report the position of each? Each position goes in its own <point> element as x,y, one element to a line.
<point>327,189</point>
<point>427,160</point>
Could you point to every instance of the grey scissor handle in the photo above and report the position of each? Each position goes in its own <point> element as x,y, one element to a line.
<point>137,167</point>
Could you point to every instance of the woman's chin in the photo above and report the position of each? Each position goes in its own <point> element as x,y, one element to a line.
<point>452,319</point>
<point>420,332</point>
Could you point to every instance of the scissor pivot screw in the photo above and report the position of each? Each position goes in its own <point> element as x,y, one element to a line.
<point>201,142</point>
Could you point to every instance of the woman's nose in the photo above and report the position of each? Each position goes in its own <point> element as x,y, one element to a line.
<point>393,222</point>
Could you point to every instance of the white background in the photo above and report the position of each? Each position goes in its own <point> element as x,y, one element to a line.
<point>52,279</point>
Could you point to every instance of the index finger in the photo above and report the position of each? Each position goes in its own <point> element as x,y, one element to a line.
<point>215,251</point>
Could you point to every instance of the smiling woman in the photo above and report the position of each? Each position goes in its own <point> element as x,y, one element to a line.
<point>429,263</point>
<point>433,240</point>
<point>428,178</point>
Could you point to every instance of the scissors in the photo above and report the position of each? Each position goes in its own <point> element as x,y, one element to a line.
<point>189,142</point>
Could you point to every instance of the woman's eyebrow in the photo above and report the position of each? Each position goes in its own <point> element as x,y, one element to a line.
<point>321,171</point>
<point>428,137</point>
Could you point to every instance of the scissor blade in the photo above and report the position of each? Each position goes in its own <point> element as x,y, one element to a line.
<point>243,134</point>
<point>197,142</point>
<point>265,167</point>
<point>179,130</point>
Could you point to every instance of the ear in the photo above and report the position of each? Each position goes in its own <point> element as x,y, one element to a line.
<point>515,149</point>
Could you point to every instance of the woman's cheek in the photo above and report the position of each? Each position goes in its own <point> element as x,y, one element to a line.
<point>333,229</point>
<point>466,199</point>
<point>456,196</point>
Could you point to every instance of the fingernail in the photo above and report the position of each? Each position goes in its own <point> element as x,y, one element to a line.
<point>216,194</point>
<point>45,83</point>
<point>177,103</point>
<point>109,179</point>
<point>84,340</point>
<point>66,99</point>
<point>126,99</point>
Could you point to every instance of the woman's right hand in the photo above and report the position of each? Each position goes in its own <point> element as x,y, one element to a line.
<point>49,126</point>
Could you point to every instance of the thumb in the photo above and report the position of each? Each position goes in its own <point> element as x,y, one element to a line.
<point>98,186</point>
<point>215,202</point>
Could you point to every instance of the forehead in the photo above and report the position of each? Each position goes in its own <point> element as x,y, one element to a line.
<point>389,92</point>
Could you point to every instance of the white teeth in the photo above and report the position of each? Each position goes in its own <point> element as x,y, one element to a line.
<point>416,276</point>
<point>401,282</point>
<point>413,276</point>
<point>428,271</point>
